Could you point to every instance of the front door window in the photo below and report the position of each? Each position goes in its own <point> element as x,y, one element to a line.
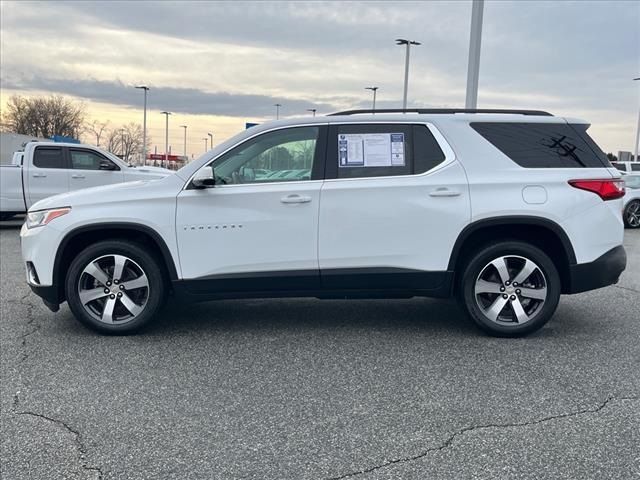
<point>281,156</point>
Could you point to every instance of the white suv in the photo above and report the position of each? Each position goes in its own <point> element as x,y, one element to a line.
<point>505,209</point>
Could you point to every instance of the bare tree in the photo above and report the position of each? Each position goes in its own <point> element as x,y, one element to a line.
<point>44,116</point>
<point>126,141</point>
<point>96,128</point>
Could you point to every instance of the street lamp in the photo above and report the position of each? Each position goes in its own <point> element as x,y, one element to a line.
<point>185,141</point>
<point>144,124</point>
<point>473,69</point>
<point>277,105</point>
<point>374,90</point>
<point>210,135</point>
<point>408,43</point>
<point>166,138</point>
<point>206,144</point>
<point>635,147</point>
<point>312,110</point>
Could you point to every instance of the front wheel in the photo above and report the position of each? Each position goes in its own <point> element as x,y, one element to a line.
<point>510,288</point>
<point>115,287</point>
<point>631,214</point>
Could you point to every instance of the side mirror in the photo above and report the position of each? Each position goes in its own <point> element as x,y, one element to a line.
<point>105,165</point>
<point>205,178</point>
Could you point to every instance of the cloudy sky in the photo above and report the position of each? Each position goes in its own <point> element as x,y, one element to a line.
<point>217,65</point>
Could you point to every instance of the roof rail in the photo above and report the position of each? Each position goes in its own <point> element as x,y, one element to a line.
<point>445,111</point>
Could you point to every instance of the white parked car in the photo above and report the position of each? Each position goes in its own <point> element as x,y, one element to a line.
<point>627,167</point>
<point>631,201</point>
<point>489,206</point>
<point>45,169</point>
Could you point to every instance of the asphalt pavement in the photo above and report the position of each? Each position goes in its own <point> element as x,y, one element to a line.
<point>320,389</point>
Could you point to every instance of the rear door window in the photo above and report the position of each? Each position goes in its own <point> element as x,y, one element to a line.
<point>544,145</point>
<point>49,157</point>
<point>381,150</point>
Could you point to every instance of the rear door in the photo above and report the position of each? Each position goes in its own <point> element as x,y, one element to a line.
<point>391,208</point>
<point>87,169</point>
<point>47,175</point>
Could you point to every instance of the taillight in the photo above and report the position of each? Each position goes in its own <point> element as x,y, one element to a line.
<point>607,189</point>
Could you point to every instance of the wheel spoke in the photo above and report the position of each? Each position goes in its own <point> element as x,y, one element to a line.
<point>118,266</point>
<point>87,296</point>
<point>537,293</point>
<point>139,282</point>
<point>496,307</point>
<point>96,272</point>
<point>501,266</point>
<point>482,286</point>
<point>521,315</point>
<point>130,305</point>
<point>107,313</point>
<point>527,270</point>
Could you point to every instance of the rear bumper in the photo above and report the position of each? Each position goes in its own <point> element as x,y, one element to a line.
<point>603,271</point>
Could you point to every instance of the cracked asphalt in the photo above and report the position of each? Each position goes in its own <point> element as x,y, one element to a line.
<point>310,389</point>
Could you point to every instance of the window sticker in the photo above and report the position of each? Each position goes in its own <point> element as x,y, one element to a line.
<point>371,150</point>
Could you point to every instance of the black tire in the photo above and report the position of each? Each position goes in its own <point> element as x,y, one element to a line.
<point>150,297</point>
<point>507,323</point>
<point>6,216</point>
<point>631,214</point>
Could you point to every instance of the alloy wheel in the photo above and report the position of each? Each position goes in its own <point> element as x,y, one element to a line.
<point>113,289</point>
<point>633,214</point>
<point>510,290</point>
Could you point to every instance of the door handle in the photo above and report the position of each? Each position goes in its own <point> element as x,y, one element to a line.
<point>39,175</point>
<point>295,198</point>
<point>444,192</point>
<point>77,175</point>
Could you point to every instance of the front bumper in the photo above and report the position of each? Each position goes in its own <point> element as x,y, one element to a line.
<point>50,296</point>
<point>604,270</point>
<point>39,246</point>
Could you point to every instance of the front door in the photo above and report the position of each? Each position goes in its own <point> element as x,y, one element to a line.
<point>88,169</point>
<point>257,228</point>
<point>393,204</point>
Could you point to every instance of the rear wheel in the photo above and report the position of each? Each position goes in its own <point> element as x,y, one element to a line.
<point>510,289</point>
<point>631,214</point>
<point>115,287</point>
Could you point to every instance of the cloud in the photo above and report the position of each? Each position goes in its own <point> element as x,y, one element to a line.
<point>175,99</point>
<point>239,58</point>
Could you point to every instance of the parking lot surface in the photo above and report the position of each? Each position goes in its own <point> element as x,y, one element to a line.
<point>304,388</point>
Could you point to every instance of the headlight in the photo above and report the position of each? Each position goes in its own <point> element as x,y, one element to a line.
<point>42,217</point>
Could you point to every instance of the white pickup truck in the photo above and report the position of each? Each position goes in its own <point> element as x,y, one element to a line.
<point>45,169</point>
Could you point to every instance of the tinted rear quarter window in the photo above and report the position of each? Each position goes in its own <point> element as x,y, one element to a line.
<point>635,167</point>
<point>543,145</point>
<point>49,157</point>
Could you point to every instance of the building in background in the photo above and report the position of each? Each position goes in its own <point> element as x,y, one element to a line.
<point>12,142</point>
<point>625,156</point>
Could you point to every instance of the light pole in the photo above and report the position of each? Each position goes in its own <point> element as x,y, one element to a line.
<point>206,144</point>
<point>473,70</point>
<point>374,90</point>
<point>184,154</point>
<point>312,110</point>
<point>210,135</point>
<point>166,138</point>
<point>635,146</point>
<point>277,105</point>
<point>408,43</point>
<point>144,125</point>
